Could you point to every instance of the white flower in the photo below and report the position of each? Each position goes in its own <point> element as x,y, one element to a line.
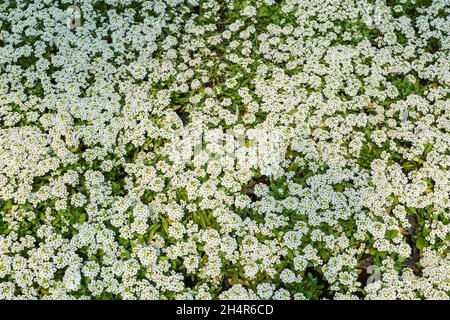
<point>72,279</point>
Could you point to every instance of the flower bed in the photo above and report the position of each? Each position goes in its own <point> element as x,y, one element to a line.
<point>224,149</point>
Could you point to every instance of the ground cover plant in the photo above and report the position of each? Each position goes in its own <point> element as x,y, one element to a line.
<point>224,149</point>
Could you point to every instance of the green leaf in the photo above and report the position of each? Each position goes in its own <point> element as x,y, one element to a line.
<point>391,234</point>
<point>152,231</point>
<point>235,278</point>
<point>82,218</point>
<point>263,12</point>
<point>203,220</point>
<point>428,148</point>
<point>421,243</point>
<point>7,205</point>
<point>165,224</point>
<point>409,165</point>
<point>115,188</point>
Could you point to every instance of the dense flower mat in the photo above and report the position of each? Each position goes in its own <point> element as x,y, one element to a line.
<point>263,149</point>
